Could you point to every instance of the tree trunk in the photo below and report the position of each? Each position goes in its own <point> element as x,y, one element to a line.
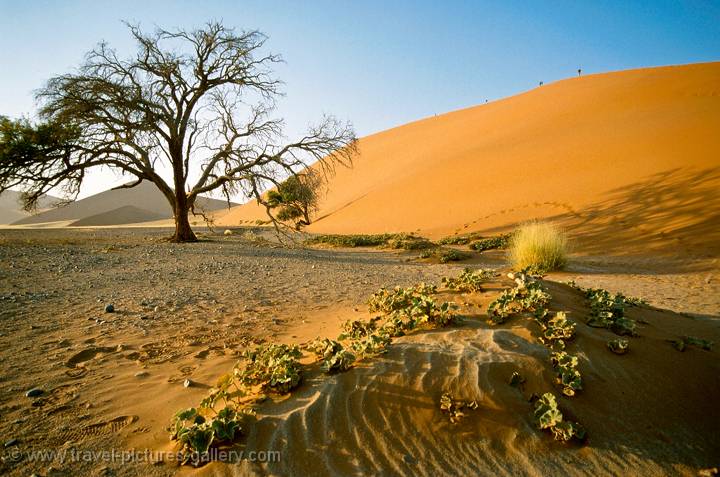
<point>183,232</point>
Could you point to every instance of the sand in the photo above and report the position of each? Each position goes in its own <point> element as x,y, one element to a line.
<point>649,412</point>
<point>624,160</point>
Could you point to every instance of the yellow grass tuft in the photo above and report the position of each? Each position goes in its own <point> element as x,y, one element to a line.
<point>538,245</point>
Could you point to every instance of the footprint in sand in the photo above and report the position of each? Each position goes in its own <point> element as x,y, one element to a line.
<point>112,426</point>
<point>87,355</point>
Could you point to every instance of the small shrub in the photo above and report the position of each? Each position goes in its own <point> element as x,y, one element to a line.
<point>541,247</point>
<point>196,433</point>
<point>408,242</point>
<point>395,241</point>
<point>445,255</point>
<point>491,243</point>
<point>463,239</point>
<point>452,255</point>
<point>454,408</point>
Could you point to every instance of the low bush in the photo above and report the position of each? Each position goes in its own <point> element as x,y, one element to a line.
<point>399,241</point>
<point>540,247</point>
<point>491,243</point>
<point>469,281</point>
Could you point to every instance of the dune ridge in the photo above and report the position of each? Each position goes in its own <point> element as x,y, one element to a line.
<point>579,150</point>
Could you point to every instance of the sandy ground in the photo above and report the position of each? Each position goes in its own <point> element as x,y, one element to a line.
<point>112,381</point>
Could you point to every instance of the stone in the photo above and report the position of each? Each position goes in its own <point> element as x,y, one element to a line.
<point>34,392</point>
<point>12,442</point>
<point>187,383</point>
<point>109,308</point>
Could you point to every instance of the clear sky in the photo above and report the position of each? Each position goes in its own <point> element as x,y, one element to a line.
<point>376,63</point>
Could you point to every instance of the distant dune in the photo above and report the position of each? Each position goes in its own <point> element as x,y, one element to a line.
<point>11,209</point>
<point>116,207</point>
<point>627,160</point>
<point>126,214</point>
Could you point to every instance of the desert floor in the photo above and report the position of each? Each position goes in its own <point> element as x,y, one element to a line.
<point>112,381</point>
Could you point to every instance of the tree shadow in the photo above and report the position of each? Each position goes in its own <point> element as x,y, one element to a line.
<point>674,212</point>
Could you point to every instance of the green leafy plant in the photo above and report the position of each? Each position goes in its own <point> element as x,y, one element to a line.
<point>491,243</point>
<point>452,255</point>
<point>274,367</point>
<point>460,239</point>
<point>527,296</point>
<point>333,354</point>
<point>568,375</point>
<point>455,408</point>
<point>371,345</point>
<point>556,328</point>
<point>395,241</point>
<point>548,417</point>
<point>619,346</point>
<point>682,343</point>
<point>387,301</point>
<point>469,281</point>
<point>445,255</point>
<point>356,329</point>
<point>608,311</point>
<point>196,433</point>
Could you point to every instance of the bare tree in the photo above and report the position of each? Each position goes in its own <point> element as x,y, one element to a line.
<point>196,103</point>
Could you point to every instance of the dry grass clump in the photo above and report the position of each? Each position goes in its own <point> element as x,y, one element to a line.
<point>539,246</point>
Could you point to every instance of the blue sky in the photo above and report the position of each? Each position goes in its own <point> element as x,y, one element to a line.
<point>376,63</point>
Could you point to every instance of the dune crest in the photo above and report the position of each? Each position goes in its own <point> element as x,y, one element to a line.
<point>574,150</point>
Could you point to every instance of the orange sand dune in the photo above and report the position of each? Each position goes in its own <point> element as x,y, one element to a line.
<point>632,154</point>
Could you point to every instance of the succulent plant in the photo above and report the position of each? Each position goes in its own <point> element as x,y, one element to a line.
<point>682,343</point>
<point>568,375</point>
<point>516,380</point>
<point>548,416</point>
<point>527,296</point>
<point>333,354</point>
<point>274,367</point>
<point>619,346</point>
<point>469,281</point>
<point>454,407</point>
<point>608,311</point>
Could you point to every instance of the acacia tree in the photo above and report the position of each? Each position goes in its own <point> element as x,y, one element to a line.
<point>195,104</point>
<point>296,198</point>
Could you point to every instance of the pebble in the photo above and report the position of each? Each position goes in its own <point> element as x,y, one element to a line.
<point>12,442</point>
<point>187,383</point>
<point>143,374</point>
<point>34,392</point>
<point>156,309</point>
<point>109,308</point>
